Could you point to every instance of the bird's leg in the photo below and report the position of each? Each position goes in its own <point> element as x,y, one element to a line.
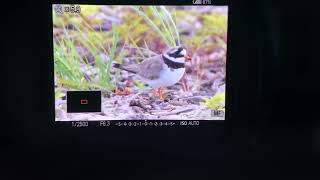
<point>155,92</point>
<point>161,96</point>
<point>158,92</point>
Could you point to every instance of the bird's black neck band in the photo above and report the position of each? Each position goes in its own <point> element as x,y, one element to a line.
<point>172,64</point>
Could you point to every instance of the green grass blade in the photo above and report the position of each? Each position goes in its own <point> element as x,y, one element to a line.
<point>160,18</point>
<point>172,22</point>
<point>152,24</point>
<point>114,42</point>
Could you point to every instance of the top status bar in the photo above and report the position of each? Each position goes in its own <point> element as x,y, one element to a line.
<point>143,2</point>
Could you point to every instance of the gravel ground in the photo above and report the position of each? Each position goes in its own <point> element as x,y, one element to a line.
<point>176,105</point>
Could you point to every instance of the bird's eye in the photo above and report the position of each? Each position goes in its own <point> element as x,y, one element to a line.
<point>179,50</point>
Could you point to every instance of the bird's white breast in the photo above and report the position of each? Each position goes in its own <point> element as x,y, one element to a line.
<point>168,77</point>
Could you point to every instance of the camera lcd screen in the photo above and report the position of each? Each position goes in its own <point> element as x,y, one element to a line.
<point>130,62</point>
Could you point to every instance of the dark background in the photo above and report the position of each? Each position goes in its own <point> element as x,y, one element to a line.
<point>273,129</point>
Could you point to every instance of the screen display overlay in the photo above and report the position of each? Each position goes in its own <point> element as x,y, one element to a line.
<point>123,62</point>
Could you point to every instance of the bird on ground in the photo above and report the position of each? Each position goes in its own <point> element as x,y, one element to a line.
<point>160,71</point>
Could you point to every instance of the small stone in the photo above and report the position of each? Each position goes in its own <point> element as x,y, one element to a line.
<point>134,102</point>
<point>148,106</point>
<point>178,103</point>
<point>137,109</point>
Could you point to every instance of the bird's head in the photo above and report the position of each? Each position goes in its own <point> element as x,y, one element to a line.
<point>177,54</point>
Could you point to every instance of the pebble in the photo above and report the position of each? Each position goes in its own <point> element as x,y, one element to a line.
<point>137,109</point>
<point>222,88</point>
<point>178,103</point>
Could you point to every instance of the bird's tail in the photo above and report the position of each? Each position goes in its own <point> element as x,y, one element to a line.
<point>117,65</point>
<point>120,66</point>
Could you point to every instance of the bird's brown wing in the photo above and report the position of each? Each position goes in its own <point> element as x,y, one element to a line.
<point>151,67</point>
<point>133,68</point>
